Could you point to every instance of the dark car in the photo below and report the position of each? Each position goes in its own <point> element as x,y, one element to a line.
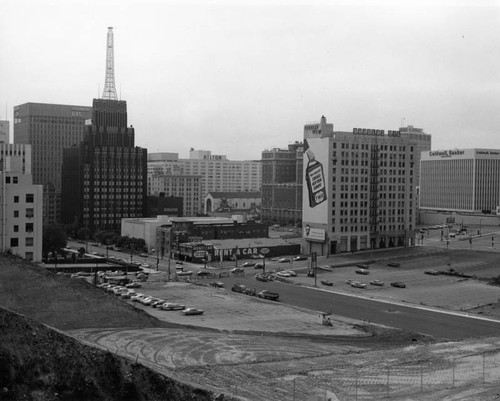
<point>248,264</point>
<point>261,277</point>
<point>204,273</point>
<point>326,282</point>
<point>398,284</point>
<point>259,266</point>
<point>393,264</point>
<point>362,271</point>
<point>300,257</point>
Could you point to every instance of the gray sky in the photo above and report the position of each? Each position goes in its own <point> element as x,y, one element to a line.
<point>238,77</point>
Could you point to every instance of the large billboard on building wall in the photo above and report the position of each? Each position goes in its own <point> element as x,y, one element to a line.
<point>315,188</point>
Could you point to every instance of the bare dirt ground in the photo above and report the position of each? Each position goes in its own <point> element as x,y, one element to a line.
<point>241,349</point>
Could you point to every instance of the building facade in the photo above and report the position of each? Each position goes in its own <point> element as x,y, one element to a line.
<point>49,128</point>
<point>21,229</point>
<point>218,174</point>
<point>282,184</point>
<point>359,189</point>
<point>187,187</point>
<point>104,178</point>
<point>231,202</point>
<point>461,180</point>
<point>4,131</point>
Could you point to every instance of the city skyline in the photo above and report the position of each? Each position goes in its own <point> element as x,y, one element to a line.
<point>239,78</point>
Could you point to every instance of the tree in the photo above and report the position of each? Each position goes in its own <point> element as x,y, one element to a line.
<point>54,238</point>
<point>83,233</point>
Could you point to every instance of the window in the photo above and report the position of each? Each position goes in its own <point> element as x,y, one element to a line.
<point>14,180</point>
<point>29,241</point>
<point>30,213</point>
<point>30,198</point>
<point>16,213</point>
<point>29,227</point>
<point>7,180</point>
<point>14,242</point>
<point>16,229</point>
<point>16,199</point>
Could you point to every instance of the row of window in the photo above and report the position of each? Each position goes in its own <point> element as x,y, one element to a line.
<point>30,198</point>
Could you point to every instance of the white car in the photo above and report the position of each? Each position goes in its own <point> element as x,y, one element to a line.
<point>172,306</point>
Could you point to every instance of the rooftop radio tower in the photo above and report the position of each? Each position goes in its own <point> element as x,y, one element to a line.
<point>109,85</point>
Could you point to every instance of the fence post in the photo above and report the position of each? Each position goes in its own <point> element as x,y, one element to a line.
<point>484,363</point>
<point>421,379</point>
<point>388,369</point>
<point>453,375</point>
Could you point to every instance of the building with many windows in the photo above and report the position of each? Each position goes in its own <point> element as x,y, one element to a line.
<point>49,128</point>
<point>21,204</point>
<point>187,187</point>
<point>282,184</point>
<point>104,178</point>
<point>218,174</point>
<point>4,131</point>
<point>460,180</point>
<point>359,189</point>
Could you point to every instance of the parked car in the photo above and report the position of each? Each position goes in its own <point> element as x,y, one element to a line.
<point>237,270</point>
<point>248,264</point>
<point>205,273</point>
<point>127,294</point>
<point>398,284</point>
<point>326,282</point>
<point>431,272</point>
<point>157,303</point>
<point>377,282</point>
<point>172,306</point>
<point>183,273</point>
<point>357,284</point>
<point>133,284</point>
<point>349,281</point>
<point>393,264</point>
<point>284,274</point>
<point>136,297</point>
<point>284,260</point>
<point>259,266</point>
<point>218,284</point>
<point>266,294</point>
<point>192,311</point>
<point>300,257</point>
<point>362,271</point>
<point>261,277</point>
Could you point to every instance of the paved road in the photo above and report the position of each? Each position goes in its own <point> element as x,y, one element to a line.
<point>429,322</point>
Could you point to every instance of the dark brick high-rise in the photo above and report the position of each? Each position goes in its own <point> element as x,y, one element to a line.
<point>104,179</point>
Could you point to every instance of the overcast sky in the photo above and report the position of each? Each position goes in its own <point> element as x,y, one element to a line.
<point>238,77</point>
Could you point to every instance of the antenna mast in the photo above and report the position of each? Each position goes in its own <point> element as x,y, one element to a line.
<point>109,85</point>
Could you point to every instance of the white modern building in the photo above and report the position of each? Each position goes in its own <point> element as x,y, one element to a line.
<point>460,180</point>
<point>218,174</point>
<point>358,189</point>
<point>20,204</point>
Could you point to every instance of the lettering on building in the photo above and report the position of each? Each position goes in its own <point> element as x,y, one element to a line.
<point>446,153</point>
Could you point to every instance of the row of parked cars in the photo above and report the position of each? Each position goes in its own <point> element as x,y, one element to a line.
<point>126,292</point>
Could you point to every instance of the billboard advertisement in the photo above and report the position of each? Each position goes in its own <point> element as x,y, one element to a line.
<point>315,188</point>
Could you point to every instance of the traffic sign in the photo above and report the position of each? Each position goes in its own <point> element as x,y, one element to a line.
<point>264,251</point>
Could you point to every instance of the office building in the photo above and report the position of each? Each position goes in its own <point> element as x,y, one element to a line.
<point>4,131</point>
<point>104,178</point>
<point>282,184</point>
<point>21,228</point>
<point>187,187</point>
<point>422,142</point>
<point>359,189</point>
<point>49,128</point>
<point>460,180</point>
<point>218,174</point>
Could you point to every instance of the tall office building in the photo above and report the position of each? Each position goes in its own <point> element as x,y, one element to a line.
<point>359,189</point>
<point>422,142</point>
<point>282,184</point>
<point>218,174</point>
<point>4,131</point>
<point>105,177</point>
<point>49,128</point>
<point>20,204</point>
